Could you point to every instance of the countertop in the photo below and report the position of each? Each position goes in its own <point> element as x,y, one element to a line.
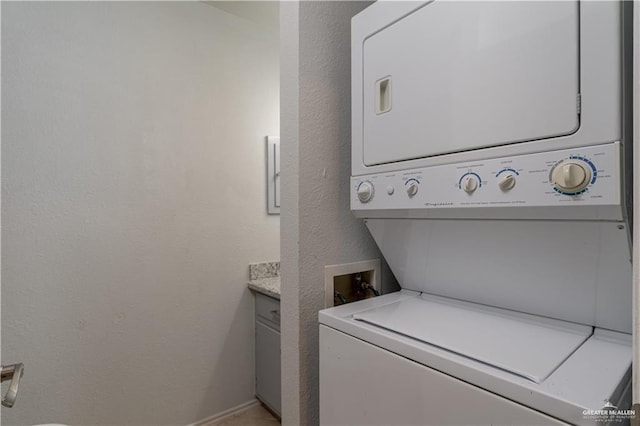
<point>264,277</point>
<point>267,286</point>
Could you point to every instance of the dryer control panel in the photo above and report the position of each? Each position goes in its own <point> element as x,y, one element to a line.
<point>580,183</point>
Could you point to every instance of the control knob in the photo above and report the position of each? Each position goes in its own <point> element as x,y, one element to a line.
<point>365,192</point>
<point>469,184</point>
<point>571,176</point>
<point>412,189</point>
<point>507,182</point>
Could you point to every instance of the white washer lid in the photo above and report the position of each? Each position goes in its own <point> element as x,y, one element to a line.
<point>526,345</point>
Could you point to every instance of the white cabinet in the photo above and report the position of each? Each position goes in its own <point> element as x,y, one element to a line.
<point>268,351</point>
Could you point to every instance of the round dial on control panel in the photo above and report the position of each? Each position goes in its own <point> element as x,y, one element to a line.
<point>507,182</point>
<point>412,189</point>
<point>469,184</point>
<point>571,176</point>
<point>365,192</point>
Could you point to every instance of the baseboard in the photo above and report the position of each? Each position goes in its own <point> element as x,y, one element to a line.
<point>227,413</point>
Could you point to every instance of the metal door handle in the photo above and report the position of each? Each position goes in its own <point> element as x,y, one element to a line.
<point>14,373</point>
<point>275,316</point>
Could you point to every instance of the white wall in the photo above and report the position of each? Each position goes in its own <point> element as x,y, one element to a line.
<point>317,227</point>
<point>133,199</point>
<point>289,218</point>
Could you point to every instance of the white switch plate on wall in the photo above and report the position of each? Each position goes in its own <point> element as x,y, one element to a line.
<point>273,175</point>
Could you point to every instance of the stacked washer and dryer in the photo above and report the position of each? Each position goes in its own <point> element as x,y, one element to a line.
<point>491,162</point>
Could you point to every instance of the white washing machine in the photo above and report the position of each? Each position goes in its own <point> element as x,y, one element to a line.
<point>491,163</point>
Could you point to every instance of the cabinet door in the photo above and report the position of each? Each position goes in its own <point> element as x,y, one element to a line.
<point>268,366</point>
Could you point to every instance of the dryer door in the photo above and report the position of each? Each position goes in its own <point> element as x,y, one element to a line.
<point>456,76</point>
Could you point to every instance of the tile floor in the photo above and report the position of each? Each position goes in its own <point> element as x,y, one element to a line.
<point>253,416</point>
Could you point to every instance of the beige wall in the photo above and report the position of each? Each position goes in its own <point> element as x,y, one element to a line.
<point>133,199</point>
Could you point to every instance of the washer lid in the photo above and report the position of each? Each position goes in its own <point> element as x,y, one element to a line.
<point>526,345</point>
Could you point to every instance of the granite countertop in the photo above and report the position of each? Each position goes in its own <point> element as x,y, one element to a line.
<point>264,278</point>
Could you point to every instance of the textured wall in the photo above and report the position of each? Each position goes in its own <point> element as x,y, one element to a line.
<point>133,199</point>
<point>317,227</point>
<point>289,216</point>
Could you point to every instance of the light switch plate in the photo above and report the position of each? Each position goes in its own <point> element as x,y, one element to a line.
<point>273,175</point>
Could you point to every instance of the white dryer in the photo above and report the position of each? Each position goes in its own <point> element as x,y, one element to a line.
<point>491,163</point>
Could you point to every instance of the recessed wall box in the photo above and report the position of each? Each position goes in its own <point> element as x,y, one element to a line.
<point>340,278</point>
